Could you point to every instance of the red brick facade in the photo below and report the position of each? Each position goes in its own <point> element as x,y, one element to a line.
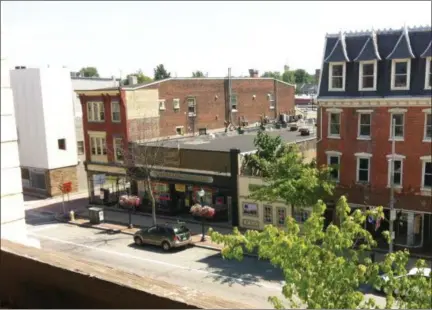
<point>112,129</point>
<point>254,97</point>
<point>376,192</point>
<point>212,102</point>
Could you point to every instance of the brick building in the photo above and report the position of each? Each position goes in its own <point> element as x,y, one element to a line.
<point>367,80</point>
<point>174,107</point>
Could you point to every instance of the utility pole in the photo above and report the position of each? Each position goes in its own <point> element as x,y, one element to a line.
<point>392,185</point>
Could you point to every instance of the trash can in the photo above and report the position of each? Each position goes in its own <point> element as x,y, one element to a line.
<point>96,215</point>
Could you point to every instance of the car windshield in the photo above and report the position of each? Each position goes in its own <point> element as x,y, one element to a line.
<point>180,229</point>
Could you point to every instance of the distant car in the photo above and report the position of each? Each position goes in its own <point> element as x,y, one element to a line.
<point>167,236</point>
<point>414,272</point>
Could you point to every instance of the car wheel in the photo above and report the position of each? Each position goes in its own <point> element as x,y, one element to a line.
<point>166,246</point>
<point>138,241</point>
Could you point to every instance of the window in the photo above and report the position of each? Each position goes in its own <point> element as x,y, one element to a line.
<point>191,106</point>
<point>363,164</point>
<point>300,215</point>
<point>115,111</point>
<point>268,214</point>
<point>272,101</point>
<point>364,125</point>
<point>281,212</point>
<point>428,125</point>
<point>95,111</point>
<point>427,173</point>
<point>368,75</point>
<point>397,126</point>
<point>180,130</point>
<point>428,74</point>
<point>250,209</point>
<point>337,76</point>
<point>397,166</point>
<point>118,149</point>
<point>176,104</point>
<point>80,147</point>
<point>161,105</point>
<point>233,102</point>
<point>334,124</point>
<point>400,78</point>
<point>333,161</point>
<point>61,144</point>
<point>98,146</point>
<point>37,180</point>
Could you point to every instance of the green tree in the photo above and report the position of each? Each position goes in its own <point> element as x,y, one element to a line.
<point>89,72</point>
<point>288,77</point>
<point>161,73</point>
<point>287,177</point>
<point>272,74</point>
<point>325,267</point>
<point>141,78</point>
<point>268,150</point>
<point>301,76</point>
<point>197,74</point>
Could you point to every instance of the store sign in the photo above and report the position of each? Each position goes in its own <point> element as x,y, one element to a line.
<point>250,223</point>
<point>181,176</point>
<point>180,188</point>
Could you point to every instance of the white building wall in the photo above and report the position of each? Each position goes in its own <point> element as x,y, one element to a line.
<point>59,117</point>
<point>13,226</point>
<point>44,112</point>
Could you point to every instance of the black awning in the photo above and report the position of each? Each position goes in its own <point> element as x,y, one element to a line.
<point>402,48</point>
<point>369,50</point>
<point>338,53</point>
<point>428,51</point>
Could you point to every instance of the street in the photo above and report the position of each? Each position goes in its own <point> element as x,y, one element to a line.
<point>250,281</point>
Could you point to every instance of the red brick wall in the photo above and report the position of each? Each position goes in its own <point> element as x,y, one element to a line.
<point>111,128</point>
<point>212,101</point>
<point>380,146</point>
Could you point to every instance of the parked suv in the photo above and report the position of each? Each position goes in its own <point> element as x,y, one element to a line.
<point>167,236</point>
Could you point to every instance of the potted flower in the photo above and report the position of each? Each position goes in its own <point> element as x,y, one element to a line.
<point>205,212</point>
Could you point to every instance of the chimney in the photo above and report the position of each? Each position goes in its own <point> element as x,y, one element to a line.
<point>253,73</point>
<point>317,74</point>
<point>132,79</point>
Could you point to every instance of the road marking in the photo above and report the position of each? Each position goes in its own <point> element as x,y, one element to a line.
<point>238,280</point>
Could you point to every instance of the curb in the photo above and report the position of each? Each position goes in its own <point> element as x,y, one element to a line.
<point>165,217</point>
<point>209,247</point>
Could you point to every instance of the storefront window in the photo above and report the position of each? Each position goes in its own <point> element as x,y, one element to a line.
<point>409,229</point>
<point>300,215</point>
<point>161,192</point>
<point>208,195</point>
<point>281,215</point>
<point>268,214</point>
<point>250,209</point>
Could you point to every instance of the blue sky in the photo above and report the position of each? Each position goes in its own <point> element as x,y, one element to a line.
<point>186,36</point>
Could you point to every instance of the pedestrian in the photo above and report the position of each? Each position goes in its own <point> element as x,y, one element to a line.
<point>372,257</point>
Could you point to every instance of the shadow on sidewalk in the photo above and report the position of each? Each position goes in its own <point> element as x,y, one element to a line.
<point>249,271</point>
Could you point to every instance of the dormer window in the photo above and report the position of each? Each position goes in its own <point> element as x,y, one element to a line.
<point>368,75</point>
<point>400,74</point>
<point>337,76</point>
<point>428,75</point>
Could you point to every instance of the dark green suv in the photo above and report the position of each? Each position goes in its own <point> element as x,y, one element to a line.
<point>167,236</point>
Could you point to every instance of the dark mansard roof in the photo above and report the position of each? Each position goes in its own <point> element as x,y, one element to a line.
<point>381,44</point>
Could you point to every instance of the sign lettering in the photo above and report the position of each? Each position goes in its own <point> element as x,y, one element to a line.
<point>181,176</point>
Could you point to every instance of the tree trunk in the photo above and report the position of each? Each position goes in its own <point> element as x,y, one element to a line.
<point>152,199</point>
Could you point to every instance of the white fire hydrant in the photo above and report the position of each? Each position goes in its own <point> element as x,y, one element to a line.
<point>72,215</point>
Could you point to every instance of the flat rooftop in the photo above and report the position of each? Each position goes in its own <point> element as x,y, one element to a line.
<point>225,142</point>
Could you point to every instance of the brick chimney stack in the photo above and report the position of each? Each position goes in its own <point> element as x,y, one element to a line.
<point>253,73</point>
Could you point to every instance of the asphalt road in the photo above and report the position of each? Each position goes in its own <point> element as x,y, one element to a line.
<point>250,281</point>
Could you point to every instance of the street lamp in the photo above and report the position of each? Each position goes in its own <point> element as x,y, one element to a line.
<point>201,194</point>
